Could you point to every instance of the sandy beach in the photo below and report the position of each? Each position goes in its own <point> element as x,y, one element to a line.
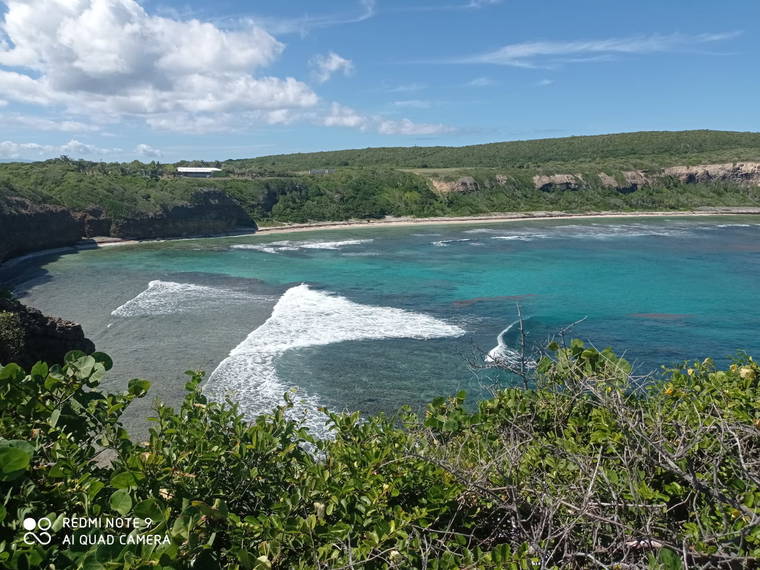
<point>501,217</point>
<point>498,218</point>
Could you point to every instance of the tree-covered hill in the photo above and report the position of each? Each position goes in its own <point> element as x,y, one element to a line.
<point>639,149</point>
<point>620,172</point>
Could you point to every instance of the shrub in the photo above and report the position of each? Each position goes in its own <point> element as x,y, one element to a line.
<point>584,470</point>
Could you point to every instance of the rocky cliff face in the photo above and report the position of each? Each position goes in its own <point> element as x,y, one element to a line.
<point>211,211</point>
<point>26,227</point>
<point>558,182</point>
<point>27,336</point>
<point>746,172</point>
<point>632,180</point>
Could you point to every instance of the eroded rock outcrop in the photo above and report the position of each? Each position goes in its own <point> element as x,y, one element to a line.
<point>742,172</point>
<point>463,184</point>
<point>28,336</point>
<point>554,182</point>
<point>632,181</point>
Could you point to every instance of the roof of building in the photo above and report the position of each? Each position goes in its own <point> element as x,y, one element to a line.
<point>200,169</point>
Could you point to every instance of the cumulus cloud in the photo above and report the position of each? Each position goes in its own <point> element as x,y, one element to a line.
<point>112,57</point>
<point>342,116</point>
<point>325,66</point>
<point>147,151</point>
<point>75,148</point>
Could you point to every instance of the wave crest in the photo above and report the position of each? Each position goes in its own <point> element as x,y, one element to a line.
<point>304,317</point>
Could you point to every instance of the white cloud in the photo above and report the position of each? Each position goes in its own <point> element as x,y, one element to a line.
<point>325,66</point>
<point>303,24</point>
<point>407,88</point>
<point>147,151</point>
<point>545,82</point>
<point>542,53</point>
<point>482,3</point>
<point>409,128</point>
<point>342,116</point>
<point>75,148</point>
<point>44,124</point>
<point>481,82</point>
<point>110,57</point>
<point>413,104</point>
<point>3,103</point>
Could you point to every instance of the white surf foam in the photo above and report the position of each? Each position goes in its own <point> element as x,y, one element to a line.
<point>597,231</point>
<point>291,245</point>
<point>502,355</point>
<point>301,318</point>
<point>446,242</point>
<point>166,297</point>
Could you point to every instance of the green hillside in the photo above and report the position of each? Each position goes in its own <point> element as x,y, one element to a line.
<point>644,149</point>
<point>415,181</point>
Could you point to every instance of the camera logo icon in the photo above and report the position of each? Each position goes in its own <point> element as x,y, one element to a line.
<point>40,528</point>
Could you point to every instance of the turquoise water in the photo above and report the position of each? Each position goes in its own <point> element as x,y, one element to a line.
<point>372,318</point>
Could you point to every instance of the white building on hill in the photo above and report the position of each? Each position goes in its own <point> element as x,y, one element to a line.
<point>196,171</point>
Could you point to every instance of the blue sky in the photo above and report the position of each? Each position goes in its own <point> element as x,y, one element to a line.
<point>154,79</point>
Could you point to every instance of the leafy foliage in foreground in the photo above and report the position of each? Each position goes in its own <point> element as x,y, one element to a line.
<point>580,471</point>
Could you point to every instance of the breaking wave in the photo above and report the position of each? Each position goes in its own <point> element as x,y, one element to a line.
<point>599,231</point>
<point>301,318</point>
<point>292,245</point>
<point>167,297</point>
<point>446,242</point>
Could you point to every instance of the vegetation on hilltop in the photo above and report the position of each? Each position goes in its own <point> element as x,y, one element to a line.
<point>583,471</point>
<point>373,183</point>
<point>646,149</point>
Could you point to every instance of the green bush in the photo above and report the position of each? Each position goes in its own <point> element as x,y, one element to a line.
<point>584,470</point>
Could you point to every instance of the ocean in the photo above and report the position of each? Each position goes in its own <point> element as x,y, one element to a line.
<point>373,318</point>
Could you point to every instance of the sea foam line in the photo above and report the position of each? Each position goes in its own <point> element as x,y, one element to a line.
<point>291,245</point>
<point>305,317</point>
<point>167,297</point>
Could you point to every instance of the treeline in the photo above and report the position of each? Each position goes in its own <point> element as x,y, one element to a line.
<point>583,467</point>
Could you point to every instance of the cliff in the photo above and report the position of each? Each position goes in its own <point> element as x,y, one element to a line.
<point>28,336</point>
<point>210,211</point>
<point>747,173</point>
<point>25,226</point>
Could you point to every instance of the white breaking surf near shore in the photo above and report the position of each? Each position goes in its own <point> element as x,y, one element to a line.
<point>167,297</point>
<point>305,317</point>
<point>292,245</point>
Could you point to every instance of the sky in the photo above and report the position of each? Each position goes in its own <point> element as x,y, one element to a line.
<point>120,80</point>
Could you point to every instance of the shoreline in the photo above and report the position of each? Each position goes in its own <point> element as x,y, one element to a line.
<point>103,242</point>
